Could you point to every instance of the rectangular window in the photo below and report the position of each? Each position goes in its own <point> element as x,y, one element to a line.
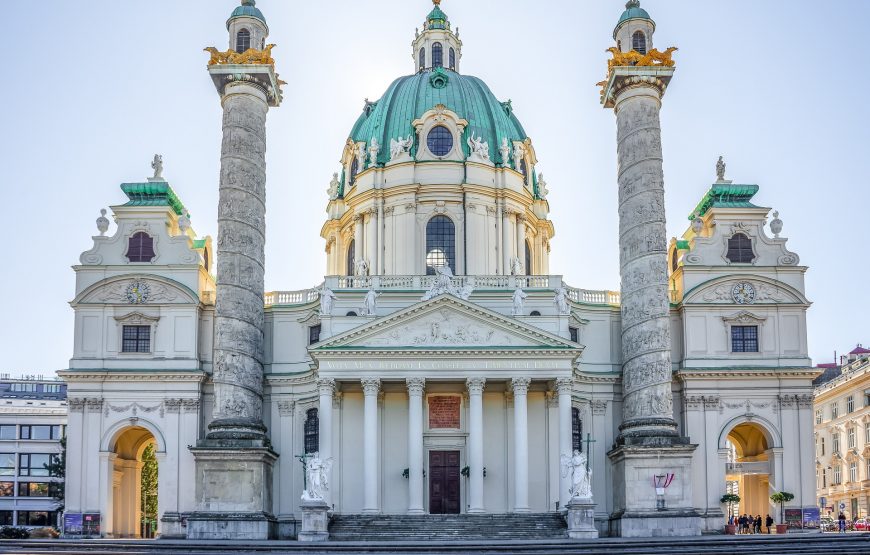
<point>868,470</point>
<point>314,334</point>
<point>5,518</point>
<point>37,518</point>
<point>851,438</point>
<point>575,334</point>
<point>37,489</point>
<point>41,432</point>
<point>850,404</point>
<point>51,388</point>
<point>8,431</point>
<point>7,489</point>
<point>818,416</point>
<point>867,434</point>
<point>822,445</point>
<point>835,444</point>
<point>34,464</point>
<point>136,339</point>
<point>838,477</point>
<point>835,410</point>
<point>853,472</point>
<point>744,339</point>
<point>24,387</point>
<point>7,464</point>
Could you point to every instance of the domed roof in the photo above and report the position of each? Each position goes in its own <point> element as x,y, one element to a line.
<point>633,11</point>
<point>247,9</point>
<point>409,97</point>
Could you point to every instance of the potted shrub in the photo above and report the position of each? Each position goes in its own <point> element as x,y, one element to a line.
<point>781,497</point>
<point>730,499</point>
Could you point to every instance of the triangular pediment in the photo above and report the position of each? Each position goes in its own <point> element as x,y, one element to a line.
<point>446,322</point>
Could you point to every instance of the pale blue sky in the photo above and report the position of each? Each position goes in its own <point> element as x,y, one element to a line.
<point>93,89</point>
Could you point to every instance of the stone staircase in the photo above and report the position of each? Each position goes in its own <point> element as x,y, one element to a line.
<point>447,527</point>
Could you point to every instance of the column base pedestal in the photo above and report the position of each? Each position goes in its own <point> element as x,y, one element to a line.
<point>642,511</point>
<point>233,491</point>
<point>581,519</point>
<point>315,522</point>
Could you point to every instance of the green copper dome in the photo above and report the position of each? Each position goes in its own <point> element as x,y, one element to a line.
<point>247,9</point>
<point>633,11</point>
<point>437,19</point>
<point>408,98</point>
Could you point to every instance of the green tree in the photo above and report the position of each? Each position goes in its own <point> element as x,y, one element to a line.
<point>57,469</point>
<point>781,497</point>
<point>149,487</point>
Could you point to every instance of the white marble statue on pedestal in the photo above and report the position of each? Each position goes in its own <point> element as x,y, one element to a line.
<point>361,156</point>
<point>316,477</point>
<point>370,307</point>
<point>157,166</point>
<point>374,150</point>
<point>505,151</point>
<point>581,476</point>
<point>542,187</point>
<point>333,187</point>
<point>444,284</point>
<point>400,148</point>
<point>361,268</point>
<point>561,300</point>
<point>327,299</point>
<point>516,266</point>
<point>519,300</point>
<point>479,148</point>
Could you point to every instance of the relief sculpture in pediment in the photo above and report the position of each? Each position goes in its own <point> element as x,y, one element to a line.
<point>441,330</point>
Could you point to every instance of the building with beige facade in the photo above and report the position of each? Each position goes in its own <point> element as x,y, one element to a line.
<point>842,436</point>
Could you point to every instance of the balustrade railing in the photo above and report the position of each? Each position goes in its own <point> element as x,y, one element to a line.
<point>423,283</point>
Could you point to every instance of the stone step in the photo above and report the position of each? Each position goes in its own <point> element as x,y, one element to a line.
<point>447,527</point>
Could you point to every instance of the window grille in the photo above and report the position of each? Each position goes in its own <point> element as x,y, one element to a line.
<point>528,258</point>
<point>835,410</point>
<point>576,430</point>
<point>850,404</point>
<point>440,244</point>
<point>453,59</point>
<point>744,339</point>
<point>422,58</point>
<point>140,247</point>
<point>437,55</point>
<point>312,431</point>
<point>638,42</point>
<point>740,249</point>
<point>440,141</point>
<point>351,258</point>
<point>136,339</point>
<point>314,334</point>
<point>243,40</point>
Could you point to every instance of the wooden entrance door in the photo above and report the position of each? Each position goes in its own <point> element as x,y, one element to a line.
<point>443,482</point>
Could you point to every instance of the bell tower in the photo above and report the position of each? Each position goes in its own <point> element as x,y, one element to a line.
<point>236,444</point>
<point>649,454</point>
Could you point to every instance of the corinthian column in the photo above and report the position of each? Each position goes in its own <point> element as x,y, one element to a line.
<point>475,444</point>
<point>520,387</point>
<point>416,386</point>
<point>565,389</point>
<point>371,388</point>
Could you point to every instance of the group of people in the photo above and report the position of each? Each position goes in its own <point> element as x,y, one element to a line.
<point>747,524</point>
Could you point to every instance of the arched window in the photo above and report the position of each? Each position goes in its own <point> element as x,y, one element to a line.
<point>140,247</point>
<point>440,244</point>
<point>205,258</point>
<point>351,313</point>
<point>351,258</point>
<point>354,168</point>
<point>523,168</point>
<point>439,141</point>
<point>576,430</point>
<point>453,59</point>
<point>422,58</point>
<point>528,259</point>
<point>243,40</point>
<point>437,55</point>
<point>638,42</point>
<point>740,249</point>
<point>535,313</point>
<point>312,431</point>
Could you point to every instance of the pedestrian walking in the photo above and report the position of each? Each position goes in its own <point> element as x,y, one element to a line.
<point>757,524</point>
<point>841,519</point>
<point>768,522</point>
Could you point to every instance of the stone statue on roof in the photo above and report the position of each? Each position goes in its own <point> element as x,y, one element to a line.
<point>333,187</point>
<point>720,169</point>
<point>157,166</point>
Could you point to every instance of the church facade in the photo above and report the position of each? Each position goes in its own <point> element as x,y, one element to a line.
<point>440,366</point>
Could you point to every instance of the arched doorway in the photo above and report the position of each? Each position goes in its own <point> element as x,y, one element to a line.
<point>748,470</point>
<point>134,474</point>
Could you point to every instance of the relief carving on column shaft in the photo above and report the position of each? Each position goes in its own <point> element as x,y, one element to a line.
<point>520,386</point>
<point>646,374</point>
<point>653,401</point>
<point>371,386</point>
<point>416,386</point>
<point>475,386</point>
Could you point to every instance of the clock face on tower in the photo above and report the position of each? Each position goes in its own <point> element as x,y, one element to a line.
<point>743,293</point>
<point>138,292</point>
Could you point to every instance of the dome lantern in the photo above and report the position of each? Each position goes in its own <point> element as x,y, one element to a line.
<point>635,28</point>
<point>437,46</point>
<point>247,27</point>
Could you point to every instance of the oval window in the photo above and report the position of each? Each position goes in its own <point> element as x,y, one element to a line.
<point>440,141</point>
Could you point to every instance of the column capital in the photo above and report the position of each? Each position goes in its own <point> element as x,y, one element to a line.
<point>357,218</point>
<point>326,386</point>
<point>520,386</point>
<point>475,385</point>
<point>371,386</point>
<point>565,386</point>
<point>416,386</point>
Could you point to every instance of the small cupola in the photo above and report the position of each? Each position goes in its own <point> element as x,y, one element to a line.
<point>437,46</point>
<point>635,29</point>
<point>247,27</point>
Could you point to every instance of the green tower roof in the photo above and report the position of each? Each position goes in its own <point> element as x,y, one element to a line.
<point>155,193</point>
<point>409,97</point>
<point>726,195</point>
<point>437,19</point>
<point>633,11</point>
<point>247,9</point>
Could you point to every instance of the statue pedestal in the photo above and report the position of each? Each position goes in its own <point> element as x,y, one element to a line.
<point>581,519</point>
<point>315,522</point>
<point>233,491</point>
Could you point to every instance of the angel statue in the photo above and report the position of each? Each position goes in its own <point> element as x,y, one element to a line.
<point>327,298</point>
<point>316,476</point>
<point>157,166</point>
<point>581,476</point>
<point>400,146</point>
<point>334,185</point>
<point>478,146</point>
<point>443,283</point>
<point>374,149</point>
<point>361,268</point>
